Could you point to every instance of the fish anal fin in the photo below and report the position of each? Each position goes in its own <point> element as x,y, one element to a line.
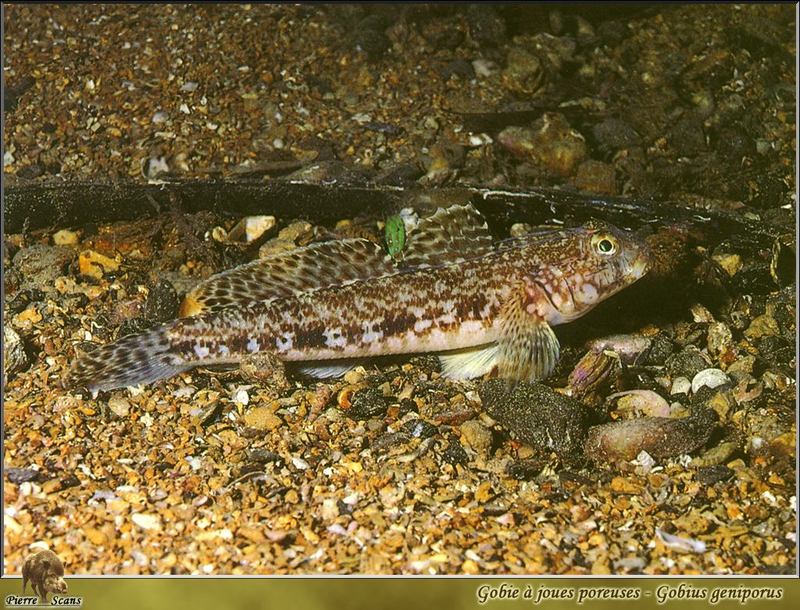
<point>469,363</point>
<point>326,369</point>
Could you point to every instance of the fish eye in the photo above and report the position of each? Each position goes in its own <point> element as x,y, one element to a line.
<point>605,244</point>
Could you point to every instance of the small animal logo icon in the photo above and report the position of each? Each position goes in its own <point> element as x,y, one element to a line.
<point>45,572</point>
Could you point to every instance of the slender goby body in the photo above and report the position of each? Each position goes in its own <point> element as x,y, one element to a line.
<point>481,307</point>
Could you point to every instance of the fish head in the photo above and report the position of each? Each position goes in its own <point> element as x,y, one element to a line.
<point>587,265</point>
<point>609,260</point>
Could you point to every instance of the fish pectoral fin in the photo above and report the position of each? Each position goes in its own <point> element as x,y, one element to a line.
<point>448,236</point>
<point>469,363</point>
<point>528,349</point>
<point>530,355</point>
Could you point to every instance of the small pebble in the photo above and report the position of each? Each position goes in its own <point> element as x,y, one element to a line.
<point>762,326</point>
<point>484,67</point>
<point>719,454</point>
<point>595,372</point>
<point>15,359</point>
<point>147,521</point>
<point>709,475</point>
<point>681,385</point>
<point>299,463</point>
<point>39,265</point>
<point>96,265</point>
<point>642,402</point>
<point>477,436</point>
<point>525,72</point>
<point>265,370</point>
<point>661,437</point>
<point>518,229</point>
<point>722,403</point>
<point>536,414</point>
<point>679,543</point>
<point>550,141</point>
<point>297,232</point>
<point>22,475</point>
<point>687,362</point>
<point>262,418</point>
<point>615,134</point>
<point>730,263</point>
<point>119,406</point>
<point>241,396</point>
<point>65,237</point>
<point>720,338</point>
<point>596,177</point>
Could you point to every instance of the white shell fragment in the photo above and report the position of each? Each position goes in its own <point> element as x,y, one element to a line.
<point>680,385</point>
<point>678,543</point>
<point>250,228</point>
<point>712,378</point>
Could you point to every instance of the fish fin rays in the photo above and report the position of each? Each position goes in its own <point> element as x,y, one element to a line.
<point>469,363</point>
<point>323,369</point>
<point>286,274</point>
<point>528,349</point>
<point>450,235</point>
<point>136,359</point>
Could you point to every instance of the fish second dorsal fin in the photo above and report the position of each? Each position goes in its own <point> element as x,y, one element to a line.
<point>285,274</point>
<point>527,349</point>
<point>448,236</point>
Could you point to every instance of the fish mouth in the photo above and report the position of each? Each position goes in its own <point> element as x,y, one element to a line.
<point>641,264</point>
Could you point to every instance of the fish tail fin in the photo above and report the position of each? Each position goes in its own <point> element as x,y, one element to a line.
<point>136,359</point>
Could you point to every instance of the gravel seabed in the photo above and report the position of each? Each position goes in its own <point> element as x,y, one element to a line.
<point>393,469</point>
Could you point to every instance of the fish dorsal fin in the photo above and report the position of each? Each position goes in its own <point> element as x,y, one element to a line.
<point>285,274</point>
<point>448,236</point>
<point>538,235</point>
<point>527,349</point>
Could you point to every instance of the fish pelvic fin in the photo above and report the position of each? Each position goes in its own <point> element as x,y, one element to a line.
<point>469,363</point>
<point>322,369</point>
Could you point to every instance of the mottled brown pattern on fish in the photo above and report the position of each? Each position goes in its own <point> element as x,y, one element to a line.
<point>367,315</point>
<point>508,297</point>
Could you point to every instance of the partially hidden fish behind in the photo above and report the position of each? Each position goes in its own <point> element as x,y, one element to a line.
<point>481,306</point>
